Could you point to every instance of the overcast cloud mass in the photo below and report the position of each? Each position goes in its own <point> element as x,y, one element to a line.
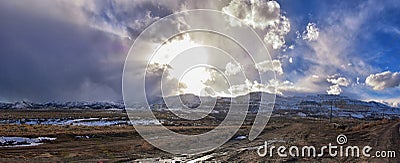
<point>59,50</point>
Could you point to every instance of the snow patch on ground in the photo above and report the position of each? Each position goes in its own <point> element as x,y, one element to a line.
<point>23,141</point>
<point>242,137</point>
<point>81,122</point>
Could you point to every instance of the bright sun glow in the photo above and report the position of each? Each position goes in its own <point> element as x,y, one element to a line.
<point>194,79</point>
<point>168,51</point>
<point>178,49</point>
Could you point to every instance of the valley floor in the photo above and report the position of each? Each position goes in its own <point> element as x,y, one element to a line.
<point>120,143</point>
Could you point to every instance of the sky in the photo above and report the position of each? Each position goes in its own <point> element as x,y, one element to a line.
<point>59,50</point>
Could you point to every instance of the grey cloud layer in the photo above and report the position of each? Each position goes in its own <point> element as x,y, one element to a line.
<point>68,50</point>
<point>75,50</point>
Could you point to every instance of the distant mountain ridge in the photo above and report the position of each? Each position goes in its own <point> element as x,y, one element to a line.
<point>192,101</point>
<point>62,105</point>
<point>320,105</point>
<point>281,102</point>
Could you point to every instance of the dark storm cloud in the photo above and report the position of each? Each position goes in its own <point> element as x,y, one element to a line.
<point>46,56</point>
<point>45,59</point>
<point>126,16</point>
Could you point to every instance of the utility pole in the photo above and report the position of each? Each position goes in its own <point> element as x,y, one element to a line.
<point>330,117</point>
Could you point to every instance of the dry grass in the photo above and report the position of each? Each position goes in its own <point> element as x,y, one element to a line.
<point>370,124</point>
<point>146,146</point>
<point>49,130</point>
<point>122,143</point>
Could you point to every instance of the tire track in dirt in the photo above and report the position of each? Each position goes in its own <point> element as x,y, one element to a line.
<point>388,139</point>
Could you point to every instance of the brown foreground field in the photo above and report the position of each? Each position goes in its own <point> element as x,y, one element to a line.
<point>123,144</point>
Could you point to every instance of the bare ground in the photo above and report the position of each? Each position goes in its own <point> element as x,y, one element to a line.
<point>123,144</point>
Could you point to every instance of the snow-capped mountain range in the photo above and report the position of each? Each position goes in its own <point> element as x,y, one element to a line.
<point>317,105</point>
<point>61,105</point>
<point>312,105</point>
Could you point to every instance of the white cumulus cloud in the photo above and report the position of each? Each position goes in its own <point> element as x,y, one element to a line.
<point>383,80</point>
<point>273,86</point>
<point>334,90</point>
<point>274,65</point>
<point>256,13</point>
<point>311,33</point>
<point>232,69</point>
<point>337,82</point>
<point>262,15</point>
<point>341,81</point>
